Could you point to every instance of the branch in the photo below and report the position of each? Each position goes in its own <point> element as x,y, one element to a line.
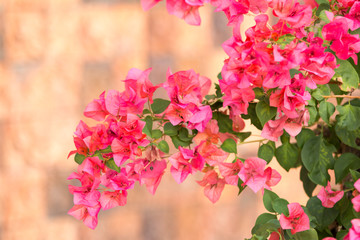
<point>341,96</point>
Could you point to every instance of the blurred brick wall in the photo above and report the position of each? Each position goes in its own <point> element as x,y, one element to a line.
<point>55,57</point>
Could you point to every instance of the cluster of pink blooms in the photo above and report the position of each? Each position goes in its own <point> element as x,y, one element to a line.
<point>119,139</point>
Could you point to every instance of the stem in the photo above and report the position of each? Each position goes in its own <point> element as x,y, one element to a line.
<point>341,96</point>
<point>254,141</point>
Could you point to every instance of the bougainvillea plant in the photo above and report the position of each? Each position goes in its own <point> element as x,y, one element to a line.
<point>296,81</point>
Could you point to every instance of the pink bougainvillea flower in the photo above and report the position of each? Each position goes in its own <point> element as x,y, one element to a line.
<point>238,123</point>
<point>147,4</point>
<point>113,199</point>
<point>230,171</point>
<point>293,126</point>
<point>87,214</point>
<point>176,113</point>
<point>200,118</point>
<point>117,180</point>
<point>297,220</point>
<point>239,99</point>
<point>252,173</point>
<point>152,174</point>
<point>139,81</point>
<point>181,164</point>
<point>273,177</point>
<point>92,166</point>
<point>354,232</point>
<point>123,150</point>
<point>354,14</point>
<point>213,185</point>
<point>275,235</point>
<point>212,154</point>
<point>210,135</point>
<point>97,109</point>
<point>185,9</point>
<point>329,197</point>
<point>356,200</point>
<point>273,129</point>
<point>329,238</point>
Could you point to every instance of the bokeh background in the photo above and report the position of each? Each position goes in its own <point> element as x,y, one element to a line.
<point>58,55</point>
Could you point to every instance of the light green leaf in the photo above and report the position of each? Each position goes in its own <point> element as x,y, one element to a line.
<point>348,74</point>
<point>171,130</point>
<point>266,152</point>
<point>79,158</point>
<point>112,165</point>
<point>264,112</point>
<point>163,146</point>
<point>280,205</point>
<point>159,105</point>
<point>148,126</point>
<point>229,145</point>
<point>156,134</point>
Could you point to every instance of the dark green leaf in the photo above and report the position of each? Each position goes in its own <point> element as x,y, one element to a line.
<point>253,116</point>
<point>156,134</point>
<point>304,136</point>
<point>348,74</point>
<point>264,218</point>
<point>346,214</point>
<point>324,216</point>
<point>287,155</point>
<point>341,234</point>
<point>242,135</point>
<point>264,112</point>
<point>146,111</point>
<point>171,130</point>
<point>210,97</point>
<point>354,174</point>
<point>268,199</point>
<point>348,117</point>
<point>218,89</point>
<point>259,93</point>
<point>224,122</point>
<point>112,165</point>
<point>178,142</point>
<point>308,185</point>
<point>322,2</point>
<point>163,146</point>
<point>320,91</point>
<point>280,206</point>
<point>266,152</point>
<point>326,109</point>
<point>240,186</point>
<point>350,138</point>
<point>229,145</point>
<point>159,105</point>
<point>79,158</point>
<point>314,116</point>
<point>184,135</point>
<point>265,229</point>
<point>343,163</point>
<point>317,158</point>
<point>293,72</point>
<point>310,234</point>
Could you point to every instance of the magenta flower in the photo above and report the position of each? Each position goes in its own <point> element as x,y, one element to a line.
<point>152,174</point>
<point>200,118</point>
<point>329,197</point>
<point>97,109</point>
<point>354,232</point>
<point>297,220</point>
<point>356,200</point>
<point>113,199</point>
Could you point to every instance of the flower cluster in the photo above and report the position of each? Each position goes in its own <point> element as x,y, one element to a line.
<point>278,76</point>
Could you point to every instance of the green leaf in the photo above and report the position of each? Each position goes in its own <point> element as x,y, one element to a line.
<point>326,109</point>
<point>259,93</point>
<point>79,158</point>
<point>317,158</point>
<point>320,91</point>
<point>265,229</point>
<point>229,145</point>
<point>348,74</point>
<point>240,186</point>
<point>346,214</point>
<point>324,216</point>
<point>148,126</point>
<point>287,155</point>
<point>280,206</point>
<point>184,135</point>
<point>348,117</point>
<point>343,164</point>
<point>314,116</point>
<point>354,174</point>
<point>268,199</point>
<point>264,218</point>
<point>218,89</point>
<point>350,138</point>
<point>156,134</point>
<point>264,112</point>
<point>322,13</point>
<point>293,72</point>
<point>266,152</point>
<point>171,130</point>
<point>308,185</point>
<point>163,146</point>
<point>304,136</point>
<point>322,2</point>
<point>253,116</point>
<point>112,165</point>
<point>242,135</point>
<point>224,122</point>
<point>341,234</point>
<point>310,234</point>
<point>178,142</point>
<point>159,105</point>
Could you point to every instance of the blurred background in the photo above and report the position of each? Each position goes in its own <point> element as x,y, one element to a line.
<point>58,55</point>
